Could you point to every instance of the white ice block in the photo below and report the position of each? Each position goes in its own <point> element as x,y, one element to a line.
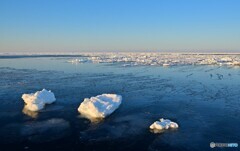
<point>100,106</point>
<point>36,101</point>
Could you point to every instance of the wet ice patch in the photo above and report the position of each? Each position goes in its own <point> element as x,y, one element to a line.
<point>100,106</point>
<point>36,101</point>
<point>163,124</point>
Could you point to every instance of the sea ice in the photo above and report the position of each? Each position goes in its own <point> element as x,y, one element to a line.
<point>76,61</point>
<point>100,106</point>
<point>163,124</point>
<point>164,59</point>
<point>36,101</point>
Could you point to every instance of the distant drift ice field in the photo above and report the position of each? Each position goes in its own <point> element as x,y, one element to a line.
<point>199,93</point>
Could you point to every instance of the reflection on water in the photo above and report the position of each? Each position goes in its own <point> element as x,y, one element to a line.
<point>157,131</point>
<point>93,120</point>
<point>204,100</point>
<point>29,113</point>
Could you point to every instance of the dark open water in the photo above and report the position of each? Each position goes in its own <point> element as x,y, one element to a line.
<point>203,100</point>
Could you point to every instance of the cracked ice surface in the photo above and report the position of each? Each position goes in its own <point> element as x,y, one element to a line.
<point>170,59</point>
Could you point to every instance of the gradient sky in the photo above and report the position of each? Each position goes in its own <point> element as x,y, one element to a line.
<point>119,25</point>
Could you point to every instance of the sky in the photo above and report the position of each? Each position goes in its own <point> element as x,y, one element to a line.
<point>119,25</point>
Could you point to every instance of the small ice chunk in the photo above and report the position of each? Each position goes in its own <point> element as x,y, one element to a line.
<point>166,64</point>
<point>100,106</point>
<point>158,125</point>
<point>36,101</point>
<point>236,63</point>
<point>163,124</point>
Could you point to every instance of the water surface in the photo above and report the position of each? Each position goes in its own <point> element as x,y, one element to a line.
<point>203,100</point>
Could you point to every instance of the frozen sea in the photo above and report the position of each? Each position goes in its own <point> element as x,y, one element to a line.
<point>203,99</point>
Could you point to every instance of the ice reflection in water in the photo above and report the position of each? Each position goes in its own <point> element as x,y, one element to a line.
<point>29,113</point>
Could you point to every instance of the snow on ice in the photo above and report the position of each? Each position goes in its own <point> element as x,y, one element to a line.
<point>100,106</point>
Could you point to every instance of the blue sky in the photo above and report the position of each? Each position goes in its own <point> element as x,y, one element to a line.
<point>119,25</point>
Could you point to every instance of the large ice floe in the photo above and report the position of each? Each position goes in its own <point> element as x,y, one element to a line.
<point>163,124</point>
<point>100,106</point>
<point>36,101</point>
